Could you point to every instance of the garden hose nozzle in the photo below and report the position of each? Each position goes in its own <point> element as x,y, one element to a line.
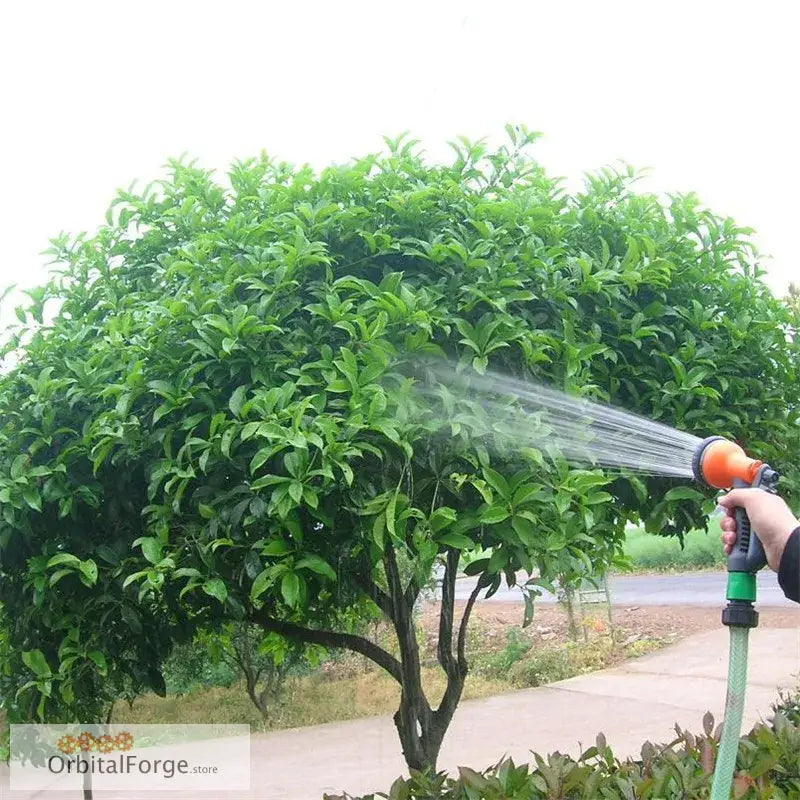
<point>722,464</point>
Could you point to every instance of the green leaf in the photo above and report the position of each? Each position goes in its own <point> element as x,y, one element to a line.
<point>32,497</point>
<point>457,540</point>
<point>35,661</point>
<point>187,572</point>
<point>226,441</point>
<point>442,518</point>
<point>684,493</point>
<point>89,572</point>
<point>151,549</point>
<point>237,400</point>
<point>18,465</point>
<point>477,566</point>
<point>316,564</point>
<point>261,583</point>
<point>390,513</point>
<point>206,511</point>
<point>497,482</point>
<point>99,659</point>
<point>277,547</point>
<point>524,529</point>
<point>595,498</point>
<point>59,574</point>
<point>215,587</point>
<point>378,529</point>
<point>290,589</point>
<point>64,558</point>
<point>494,514</point>
<point>136,576</point>
<point>528,618</point>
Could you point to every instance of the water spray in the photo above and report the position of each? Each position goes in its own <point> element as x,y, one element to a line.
<point>586,432</point>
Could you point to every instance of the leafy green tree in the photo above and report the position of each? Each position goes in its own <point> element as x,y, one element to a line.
<point>214,412</point>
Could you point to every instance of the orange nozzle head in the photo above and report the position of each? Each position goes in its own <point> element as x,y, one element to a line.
<point>718,462</point>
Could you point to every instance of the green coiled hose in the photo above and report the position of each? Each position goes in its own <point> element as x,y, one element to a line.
<point>734,710</point>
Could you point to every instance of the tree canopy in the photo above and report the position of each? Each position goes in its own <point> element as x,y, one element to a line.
<point>214,415</point>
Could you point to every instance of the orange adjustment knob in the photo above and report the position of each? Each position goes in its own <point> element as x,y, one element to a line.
<point>720,462</point>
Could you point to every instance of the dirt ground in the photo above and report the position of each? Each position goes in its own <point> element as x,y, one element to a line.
<point>664,623</point>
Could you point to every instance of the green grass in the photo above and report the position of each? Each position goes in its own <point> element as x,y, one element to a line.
<point>700,550</point>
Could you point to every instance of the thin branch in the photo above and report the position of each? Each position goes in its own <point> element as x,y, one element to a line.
<point>347,641</point>
<point>445,645</point>
<point>462,628</point>
<point>412,592</point>
<point>236,656</point>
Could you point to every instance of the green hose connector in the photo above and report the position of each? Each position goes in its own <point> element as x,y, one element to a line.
<point>734,711</point>
<point>742,586</point>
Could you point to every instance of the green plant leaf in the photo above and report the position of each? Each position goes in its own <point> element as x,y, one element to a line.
<point>64,558</point>
<point>316,564</point>
<point>290,589</point>
<point>35,661</point>
<point>99,659</point>
<point>215,587</point>
<point>684,493</point>
<point>457,540</point>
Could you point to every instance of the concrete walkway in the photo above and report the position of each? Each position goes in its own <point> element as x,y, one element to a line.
<point>642,699</point>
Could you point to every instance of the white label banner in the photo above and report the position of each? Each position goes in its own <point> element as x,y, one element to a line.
<point>129,757</point>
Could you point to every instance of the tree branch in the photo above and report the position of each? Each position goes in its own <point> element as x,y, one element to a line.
<point>347,641</point>
<point>462,628</point>
<point>444,649</point>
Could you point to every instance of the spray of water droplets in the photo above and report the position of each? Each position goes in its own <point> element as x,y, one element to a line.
<point>583,432</point>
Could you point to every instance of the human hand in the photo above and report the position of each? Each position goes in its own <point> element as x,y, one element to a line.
<point>770,517</point>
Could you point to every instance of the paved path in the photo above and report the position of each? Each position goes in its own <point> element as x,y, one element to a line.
<point>639,700</point>
<point>686,589</point>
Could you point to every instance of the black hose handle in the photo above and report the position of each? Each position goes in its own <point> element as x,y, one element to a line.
<point>748,553</point>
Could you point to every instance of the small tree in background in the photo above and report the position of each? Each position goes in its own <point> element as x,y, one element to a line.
<point>793,297</point>
<point>263,662</point>
<point>221,423</point>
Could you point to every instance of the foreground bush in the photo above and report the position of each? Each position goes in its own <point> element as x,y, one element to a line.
<point>768,766</point>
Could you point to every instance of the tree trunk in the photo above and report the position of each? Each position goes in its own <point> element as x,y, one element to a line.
<point>259,699</point>
<point>421,729</point>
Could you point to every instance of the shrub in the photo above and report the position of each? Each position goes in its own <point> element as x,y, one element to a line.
<point>545,666</point>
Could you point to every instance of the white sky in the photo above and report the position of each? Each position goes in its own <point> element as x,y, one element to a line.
<point>95,94</point>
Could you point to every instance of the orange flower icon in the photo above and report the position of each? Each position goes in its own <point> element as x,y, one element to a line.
<point>86,742</point>
<point>124,741</point>
<point>106,743</point>
<point>67,745</point>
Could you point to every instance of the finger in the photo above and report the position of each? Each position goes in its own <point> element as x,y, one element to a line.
<point>734,498</point>
<point>729,538</point>
<point>728,524</point>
